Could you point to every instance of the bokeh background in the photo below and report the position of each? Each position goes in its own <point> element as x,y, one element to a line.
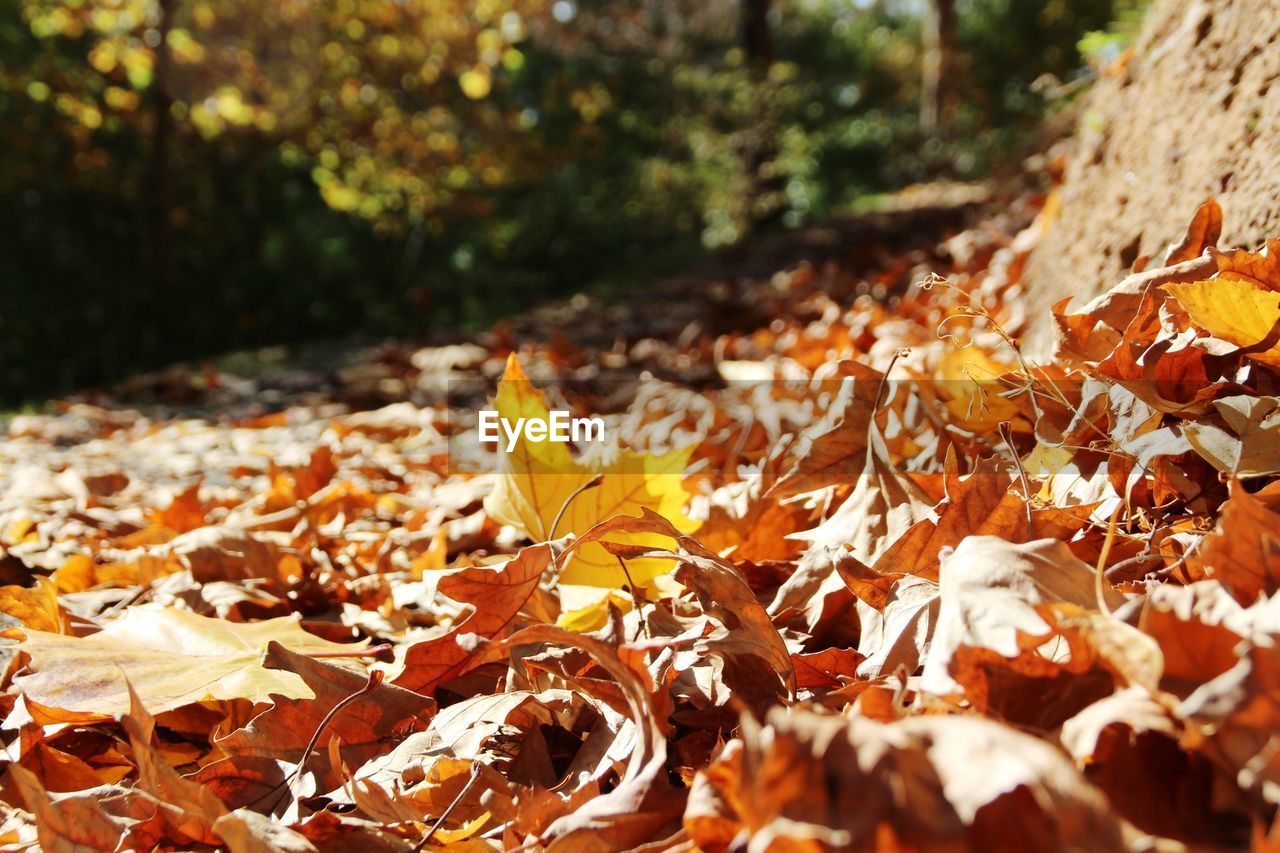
<point>183,178</point>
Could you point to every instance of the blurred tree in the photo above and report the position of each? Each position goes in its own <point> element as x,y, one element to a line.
<point>183,177</point>
<point>938,64</point>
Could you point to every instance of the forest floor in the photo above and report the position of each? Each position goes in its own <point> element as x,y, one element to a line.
<point>851,572</point>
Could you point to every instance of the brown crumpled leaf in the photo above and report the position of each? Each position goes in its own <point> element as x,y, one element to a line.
<point>495,595</point>
<point>1128,744</point>
<point>107,818</point>
<point>896,634</point>
<point>827,668</point>
<point>643,806</point>
<point>989,592</point>
<point>1243,551</point>
<point>883,506</point>
<point>986,502</point>
<point>260,755</point>
<point>809,780</point>
<point>226,553</point>
<point>1238,713</point>
<point>834,450</point>
<point>747,637</point>
<point>1202,233</point>
<point>191,809</point>
<point>1198,628</point>
<point>1250,446</point>
<point>815,596</point>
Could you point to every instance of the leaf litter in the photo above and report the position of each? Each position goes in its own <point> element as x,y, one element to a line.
<point>853,574</point>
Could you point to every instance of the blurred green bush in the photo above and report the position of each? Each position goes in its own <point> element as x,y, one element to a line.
<point>180,178</point>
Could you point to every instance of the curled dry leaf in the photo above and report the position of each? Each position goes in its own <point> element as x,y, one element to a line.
<point>260,755</point>
<point>988,592</point>
<point>1243,551</point>
<point>927,782</point>
<point>495,595</point>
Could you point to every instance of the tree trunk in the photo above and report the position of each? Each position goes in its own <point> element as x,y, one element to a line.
<point>757,39</point>
<point>759,147</point>
<point>938,64</point>
<point>157,182</point>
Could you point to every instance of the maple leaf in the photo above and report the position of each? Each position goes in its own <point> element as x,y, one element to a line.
<point>541,482</point>
<point>170,657</point>
<point>495,594</point>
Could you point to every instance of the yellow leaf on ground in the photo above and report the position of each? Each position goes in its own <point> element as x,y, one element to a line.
<point>35,607</point>
<point>539,479</point>
<point>171,657</point>
<point>1236,311</point>
<point>972,378</point>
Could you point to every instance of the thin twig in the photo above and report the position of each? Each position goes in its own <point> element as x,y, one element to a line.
<point>426,839</point>
<point>1007,434</point>
<point>635,597</point>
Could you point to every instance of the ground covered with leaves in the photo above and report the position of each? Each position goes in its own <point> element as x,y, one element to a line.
<point>851,573</point>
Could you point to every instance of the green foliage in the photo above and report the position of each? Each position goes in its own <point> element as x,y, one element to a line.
<point>1100,47</point>
<point>184,177</point>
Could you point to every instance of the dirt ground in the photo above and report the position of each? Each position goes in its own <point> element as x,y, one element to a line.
<point>1193,114</point>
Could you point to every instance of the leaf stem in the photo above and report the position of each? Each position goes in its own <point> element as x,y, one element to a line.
<point>375,678</point>
<point>590,484</point>
<point>426,839</point>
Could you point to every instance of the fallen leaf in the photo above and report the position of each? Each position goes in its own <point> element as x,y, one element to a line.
<point>537,480</point>
<point>1237,311</point>
<point>926,782</point>
<point>1243,551</point>
<point>170,657</point>
<point>495,595</point>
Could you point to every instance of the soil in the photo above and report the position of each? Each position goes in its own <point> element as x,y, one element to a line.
<point>1193,114</point>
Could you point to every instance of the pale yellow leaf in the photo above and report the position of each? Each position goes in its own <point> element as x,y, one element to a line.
<point>171,657</point>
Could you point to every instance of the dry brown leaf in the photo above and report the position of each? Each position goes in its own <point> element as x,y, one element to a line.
<point>1128,744</point>
<point>989,591</point>
<point>495,595</point>
<point>259,755</point>
<point>1243,551</point>
<point>926,782</point>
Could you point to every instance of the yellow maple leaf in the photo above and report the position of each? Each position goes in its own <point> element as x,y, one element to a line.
<point>1234,310</point>
<point>544,492</point>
